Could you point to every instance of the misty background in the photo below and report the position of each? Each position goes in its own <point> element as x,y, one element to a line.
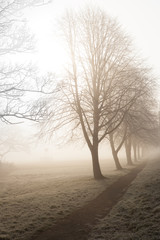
<point>140,20</point>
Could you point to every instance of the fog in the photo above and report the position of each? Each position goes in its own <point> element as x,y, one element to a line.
<point>93,114</point>
<point>33,155</point>
<point>79,119</point>
<point>75,155</point>
<point>25,153</point>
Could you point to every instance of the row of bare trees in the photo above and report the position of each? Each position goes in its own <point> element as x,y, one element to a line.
<point>107,93</point>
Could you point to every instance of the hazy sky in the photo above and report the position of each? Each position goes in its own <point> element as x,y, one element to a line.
<point>140,19</point>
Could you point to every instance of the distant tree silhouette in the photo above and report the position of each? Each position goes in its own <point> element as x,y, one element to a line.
<point>15,38</point>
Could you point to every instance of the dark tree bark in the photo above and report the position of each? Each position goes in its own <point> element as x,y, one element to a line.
<point>95,161</point>
<point>128,151</point>
<point>134,150</point>
<point>114,153</point>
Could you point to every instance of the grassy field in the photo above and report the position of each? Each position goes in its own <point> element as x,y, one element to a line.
<point>34,198</point>
<point>137,215</point>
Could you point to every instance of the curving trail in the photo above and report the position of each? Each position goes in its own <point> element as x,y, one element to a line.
<point>77,225</point>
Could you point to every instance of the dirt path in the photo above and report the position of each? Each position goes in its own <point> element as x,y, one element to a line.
<point>77,225</point>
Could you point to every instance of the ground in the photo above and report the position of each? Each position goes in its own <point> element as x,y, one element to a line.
<point>33,201</point>
<point>137,214</point>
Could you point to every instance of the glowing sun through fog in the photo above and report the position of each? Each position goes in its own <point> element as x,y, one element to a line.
<point>50,54</point>
<point>44,23</point>
<point>139,18</point>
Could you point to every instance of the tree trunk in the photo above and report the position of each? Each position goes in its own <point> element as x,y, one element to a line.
<point>116,160</point>
<point>114,153</point>
<point>135,151</point>
<point>95,161</point>
<point>128,151</point>
<point>94,149</point>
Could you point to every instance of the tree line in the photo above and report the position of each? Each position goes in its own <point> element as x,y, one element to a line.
<point>107,94</point>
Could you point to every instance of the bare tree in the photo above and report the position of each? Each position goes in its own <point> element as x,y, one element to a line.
<point>144,129</point>
<point>136,86</point>
<point>15,38</point>
<point>16,80</point>
<point>116,140</point>
<point>141,119</point>
<point>12,140</point>
<point>92,94</point>
<point>13,30</point>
